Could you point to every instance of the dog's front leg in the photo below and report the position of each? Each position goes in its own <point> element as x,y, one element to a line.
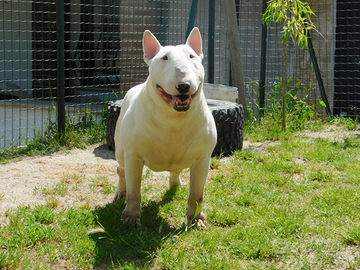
<point>133,172</point>
<point>198,175</point>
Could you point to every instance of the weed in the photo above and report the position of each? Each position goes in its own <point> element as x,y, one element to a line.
<point>352,236</point>
<point>73,178</point>
<point>215,163</point>
<point>52,202</point>
<point>102,182</point>
<point>36,189</point>
<point>58,189</point>
<point>347,122</point>
<point>148,174</point>
<point>320,176</point>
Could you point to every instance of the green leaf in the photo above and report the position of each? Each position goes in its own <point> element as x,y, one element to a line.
<point>322,103</point>
<point>295,17</point>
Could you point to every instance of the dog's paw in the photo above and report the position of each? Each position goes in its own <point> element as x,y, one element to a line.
<point>119,195</point>
<point>130,218</point>
<point>199,221</point>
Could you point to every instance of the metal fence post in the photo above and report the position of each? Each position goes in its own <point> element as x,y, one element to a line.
<point>211,40</point>
<point>192,17</point>
<point>263,62</point>
<point>60,77</point>
<point>318,74</point>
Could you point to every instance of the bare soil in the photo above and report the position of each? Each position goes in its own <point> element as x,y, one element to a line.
<point>33,180</point>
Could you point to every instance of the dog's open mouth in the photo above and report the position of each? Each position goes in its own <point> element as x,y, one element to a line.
<point>179,102</point>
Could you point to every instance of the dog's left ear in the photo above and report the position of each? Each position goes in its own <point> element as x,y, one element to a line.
<point>151,46</point>
<point>195,42</point>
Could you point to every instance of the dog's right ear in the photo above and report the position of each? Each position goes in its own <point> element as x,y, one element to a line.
<point>151,46</point>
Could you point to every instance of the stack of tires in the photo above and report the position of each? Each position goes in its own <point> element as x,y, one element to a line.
<point>229,119</point>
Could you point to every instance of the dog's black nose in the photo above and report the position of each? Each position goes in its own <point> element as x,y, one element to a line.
<point>183,87</point>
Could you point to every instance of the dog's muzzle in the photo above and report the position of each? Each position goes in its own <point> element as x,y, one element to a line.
<point>181,102</point>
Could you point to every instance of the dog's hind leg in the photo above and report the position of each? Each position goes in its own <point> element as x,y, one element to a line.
<point>121,189</point>
<point>133,173</point>
<point>198,176</point>
<point>174,180</point>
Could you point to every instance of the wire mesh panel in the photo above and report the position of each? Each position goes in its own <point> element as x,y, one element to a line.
<point>303,82</point>
<point>103,57</point>
<point>168,20</point>
<point>347,58</point>
<point>92,56</point>
<point>21,116</point>
<point>250,21</point>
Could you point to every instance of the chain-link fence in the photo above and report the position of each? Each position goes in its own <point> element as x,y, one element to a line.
<point>94,55</point>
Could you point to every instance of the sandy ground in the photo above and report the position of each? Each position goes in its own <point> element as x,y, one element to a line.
<point>34,180</point>
<point>84,174</point>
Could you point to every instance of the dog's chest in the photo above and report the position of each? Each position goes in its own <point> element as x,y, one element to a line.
<point>171,147</point>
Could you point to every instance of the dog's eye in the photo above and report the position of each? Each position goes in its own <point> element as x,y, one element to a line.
<point>191,56</point>
<point>165,58</point>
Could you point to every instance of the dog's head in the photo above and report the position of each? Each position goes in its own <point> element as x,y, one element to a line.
<point>175,72</point>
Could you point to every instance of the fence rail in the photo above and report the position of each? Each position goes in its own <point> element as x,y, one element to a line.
<point>95,55</point>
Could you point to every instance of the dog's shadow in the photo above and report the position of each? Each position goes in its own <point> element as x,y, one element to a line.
<point>120,243</point>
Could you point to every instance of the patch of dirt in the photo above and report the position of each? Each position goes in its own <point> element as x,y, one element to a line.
<point>34,180</point>
<point>80,177</point>
<point>333,133</point>
<point>258,146</point>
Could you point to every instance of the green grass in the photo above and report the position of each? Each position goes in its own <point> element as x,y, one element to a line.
<point>295,206</point>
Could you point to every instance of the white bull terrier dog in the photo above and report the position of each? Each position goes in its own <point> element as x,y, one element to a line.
<point>166,125</point>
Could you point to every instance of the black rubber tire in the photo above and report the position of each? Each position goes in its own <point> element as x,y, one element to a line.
<point>228,116</point>
<point>229,120</point>
<point>112,115</point>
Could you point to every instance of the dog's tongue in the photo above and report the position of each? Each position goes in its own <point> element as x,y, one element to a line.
<point>181,102</point>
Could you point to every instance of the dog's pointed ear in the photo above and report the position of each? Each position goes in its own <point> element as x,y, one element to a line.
<point>151,46</point>
<point>195,42</point>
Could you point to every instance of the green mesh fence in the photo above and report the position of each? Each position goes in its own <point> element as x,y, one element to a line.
<point>103,55</point>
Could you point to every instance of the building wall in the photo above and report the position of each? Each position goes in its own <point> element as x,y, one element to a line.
<point>15,49</point>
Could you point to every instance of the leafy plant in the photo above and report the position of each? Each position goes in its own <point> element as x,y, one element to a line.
<point>300,114</point>
<point>347,122</point>
<point>295,17</point>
